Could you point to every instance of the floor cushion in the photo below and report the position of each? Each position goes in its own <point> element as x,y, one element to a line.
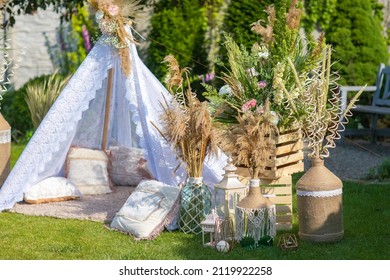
<point>88,170</point>
<point>128,166</point>
<point>52,189</point>
<point>148,209</point>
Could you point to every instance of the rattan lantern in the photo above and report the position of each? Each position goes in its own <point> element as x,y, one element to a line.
<point>5,149</point>
<point>228,192</point>
<point>255,216</point>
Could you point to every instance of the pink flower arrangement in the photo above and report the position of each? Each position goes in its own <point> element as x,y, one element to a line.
<point>248,105</point>
<point>113,10</point>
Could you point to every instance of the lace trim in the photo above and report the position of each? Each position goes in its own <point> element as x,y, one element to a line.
<point>320,193</point>
<point>5,136</point>
<point>46,151</point>
<point>59,122</point>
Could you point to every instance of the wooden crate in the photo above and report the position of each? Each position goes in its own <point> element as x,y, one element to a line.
<point>279,192</point>
<point>287,155</point>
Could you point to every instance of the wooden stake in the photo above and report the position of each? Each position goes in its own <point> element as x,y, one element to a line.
<point>107,109</point>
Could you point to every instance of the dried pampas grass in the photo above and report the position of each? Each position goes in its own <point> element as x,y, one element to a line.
<point>186,122</point>
<point>250,141</point>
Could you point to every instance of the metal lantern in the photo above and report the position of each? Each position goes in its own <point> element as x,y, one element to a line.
<point>228,192</point>
<point>5,149</point>
<point>255,217</point>
<point>210,225</point>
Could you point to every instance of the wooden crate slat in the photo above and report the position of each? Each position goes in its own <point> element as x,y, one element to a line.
<point>284,219</point>
<point>283,226</point>
<point>284,171</point>
<point>284,209</point>
<point>288,148</point>
<point>280,199</point>
<point>276,190</point>
<point>287,159</point>
<point>288,137</point>
<point>285,180</point>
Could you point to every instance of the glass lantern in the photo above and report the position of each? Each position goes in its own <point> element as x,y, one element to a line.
<point>210,225</point>
<point>228,193</point>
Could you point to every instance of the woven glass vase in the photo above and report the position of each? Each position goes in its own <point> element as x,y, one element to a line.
<point>195,205</point>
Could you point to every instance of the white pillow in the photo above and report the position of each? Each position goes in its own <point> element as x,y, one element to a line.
<point>87,170</point>
<point>148,209</point>
<point>52,189</point>
<point>141,204</point>
<point>128,166</point>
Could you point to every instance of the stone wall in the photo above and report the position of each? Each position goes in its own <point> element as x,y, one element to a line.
<point>28,45</point>
<point>386,11</point>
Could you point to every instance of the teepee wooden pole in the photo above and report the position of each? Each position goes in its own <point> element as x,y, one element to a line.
<point>107,108</point>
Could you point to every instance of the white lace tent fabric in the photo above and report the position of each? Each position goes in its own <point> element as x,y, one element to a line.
<point>77,117</point>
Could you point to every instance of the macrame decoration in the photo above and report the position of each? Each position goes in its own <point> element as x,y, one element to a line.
<point>195,205</point>
<point>255,217</point>
<point>112,17</point>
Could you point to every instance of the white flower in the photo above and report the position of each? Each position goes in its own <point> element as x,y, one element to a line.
<point>225,90</point>
<point>252,71</point>
<point>99,15</point>
<point>264,54</point>
<point>273,117</point>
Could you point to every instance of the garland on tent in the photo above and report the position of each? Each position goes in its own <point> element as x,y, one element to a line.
<point>112,17</point>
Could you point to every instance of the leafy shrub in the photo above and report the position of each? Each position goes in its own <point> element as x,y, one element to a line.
<point>356,35</point>
<point>15,110</point>
<point>381,172</point>
<point>178,28</point>
<point>41,96</point>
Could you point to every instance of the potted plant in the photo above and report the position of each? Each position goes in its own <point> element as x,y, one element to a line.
<point>319,191</point>
<point>276,68</point>
<point>187,125</point>
<point>251,139</point>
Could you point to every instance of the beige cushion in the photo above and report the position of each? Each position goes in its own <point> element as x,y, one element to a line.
<point>128,166</point>
<point>52,189</point>
<point>151,207</point>
<point>87,170</point>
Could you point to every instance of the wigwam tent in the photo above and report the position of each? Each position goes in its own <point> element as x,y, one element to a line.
<point>77,119</point>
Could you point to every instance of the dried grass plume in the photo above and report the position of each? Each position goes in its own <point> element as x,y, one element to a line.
<point>186,122</point>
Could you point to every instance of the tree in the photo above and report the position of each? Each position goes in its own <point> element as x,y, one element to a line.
<point>358,42</point>
<point>238,19</point>
<point>178,28</point>
<point>17,7</point>
<point>65,7</point>
<point>318,14</point>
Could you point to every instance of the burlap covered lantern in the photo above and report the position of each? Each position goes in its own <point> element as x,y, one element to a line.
<point>5,149</point>
<point>319,203</point>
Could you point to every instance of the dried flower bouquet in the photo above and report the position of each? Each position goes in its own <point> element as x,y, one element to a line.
<point>187,123</point>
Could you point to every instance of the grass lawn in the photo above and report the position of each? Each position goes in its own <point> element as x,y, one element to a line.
<point>366,225</point>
